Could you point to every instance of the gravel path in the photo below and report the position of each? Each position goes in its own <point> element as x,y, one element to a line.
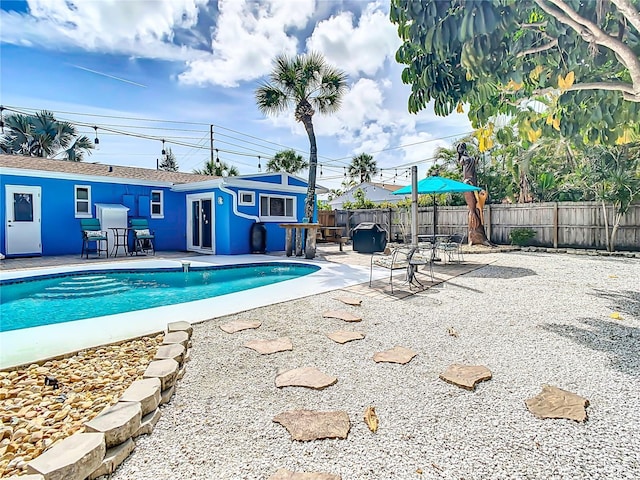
<point>531,318</point>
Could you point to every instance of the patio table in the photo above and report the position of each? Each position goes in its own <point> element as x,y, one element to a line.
<point>294,234</point>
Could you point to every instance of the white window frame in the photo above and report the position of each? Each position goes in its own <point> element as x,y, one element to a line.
<point>152,203</point>
<point>79,214</point>
<point>251,203</point>
<point>279,218</point>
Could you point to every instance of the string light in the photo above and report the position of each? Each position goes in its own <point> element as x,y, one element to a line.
<point>164,152</point>
<point>259,166</point>
<point>320,169</point>
<point>217,159</point>
<point>96,141</point>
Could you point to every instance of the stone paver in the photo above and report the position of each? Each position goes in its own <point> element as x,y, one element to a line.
<point>175,351</point>
<point>342,315</point>
<point>146,391</point>
<point>180,327</point>
<point>239,325</point>
<point>118,422</point>
<point>148,422</point>
<point>284,474</point>
<point>395,355</point>
<point>344,336</point>
<point>307,425</point>
<point>553,402</point>
<point>356,302</point>
<point>176,337</point>
<point>309,377</point>
<point>266,347</point>
<point>166,370</point>
<point>466,376</point>
<point>112,458</point>
<point>74,458</point>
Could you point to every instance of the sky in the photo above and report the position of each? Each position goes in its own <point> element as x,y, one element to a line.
<point>146,70</point>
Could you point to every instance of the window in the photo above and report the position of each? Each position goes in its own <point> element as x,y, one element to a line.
<point>276,207</point>
<point>247,199</point>
<point>83,201</point>
<point>157,207</point>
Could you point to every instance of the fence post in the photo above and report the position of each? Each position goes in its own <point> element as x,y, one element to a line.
<point>555,225</point>
<point>488,221</point>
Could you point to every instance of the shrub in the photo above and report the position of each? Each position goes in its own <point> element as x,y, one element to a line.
<point>521,236</point>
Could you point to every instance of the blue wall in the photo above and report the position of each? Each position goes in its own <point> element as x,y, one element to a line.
<point>61,233</point>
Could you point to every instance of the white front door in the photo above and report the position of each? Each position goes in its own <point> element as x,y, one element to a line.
<point>23,233</point>
<point>200,231</point>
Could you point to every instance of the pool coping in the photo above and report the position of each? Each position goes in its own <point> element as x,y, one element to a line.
<point>35,344</point>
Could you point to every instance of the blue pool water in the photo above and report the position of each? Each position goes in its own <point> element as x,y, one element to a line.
<point>74,296</point>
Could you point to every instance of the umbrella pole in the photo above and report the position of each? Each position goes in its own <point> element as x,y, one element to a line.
<point>414,206</point>
<point>435,221</point>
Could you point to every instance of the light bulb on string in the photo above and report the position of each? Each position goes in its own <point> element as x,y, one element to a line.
<point>217,159</point>
<point>164,152</point>
<point>320,169</point>
<point>345,171</point>
<point>259,166</point>
<point>96,141</point>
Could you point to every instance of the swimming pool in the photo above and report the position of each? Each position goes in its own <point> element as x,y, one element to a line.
<point>59,298</point>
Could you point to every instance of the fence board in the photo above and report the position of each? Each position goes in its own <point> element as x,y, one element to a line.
<point>571,224</point>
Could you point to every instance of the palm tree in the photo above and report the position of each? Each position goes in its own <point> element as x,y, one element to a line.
<point>217,169</point>
<point>287,161</point>
<point>363,166</point>
<point>309,84</point>
<point>41,135</point>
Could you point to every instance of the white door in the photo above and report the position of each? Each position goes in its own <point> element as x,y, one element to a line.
<point>200,232</point>
<point>23,234</point>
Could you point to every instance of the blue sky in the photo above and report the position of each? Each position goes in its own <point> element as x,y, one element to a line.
<point>118,64</point>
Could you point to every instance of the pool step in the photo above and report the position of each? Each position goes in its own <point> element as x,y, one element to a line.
<point>84,287</point>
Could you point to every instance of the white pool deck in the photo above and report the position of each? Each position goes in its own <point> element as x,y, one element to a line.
<point>18,347</point>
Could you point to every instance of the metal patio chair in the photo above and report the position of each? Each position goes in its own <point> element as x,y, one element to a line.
<point>143,237</point>
<point>92,233</point>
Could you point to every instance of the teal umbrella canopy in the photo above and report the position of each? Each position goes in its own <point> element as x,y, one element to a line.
<point>436,185</point>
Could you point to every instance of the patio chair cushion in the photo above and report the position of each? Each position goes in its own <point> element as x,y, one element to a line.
<point>94,234</point>
<point>143,233</point>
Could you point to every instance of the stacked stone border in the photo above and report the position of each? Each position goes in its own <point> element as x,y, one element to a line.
<point>110,437</point>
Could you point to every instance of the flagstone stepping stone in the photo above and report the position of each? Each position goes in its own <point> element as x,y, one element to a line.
<point>344,336</point>
<point>266,347</point>
<point>553,402</point>
<point>239,325</point>
<point>395,355</point>
<point>309,377</point>
<point>466,376</point>
<point>356,302</point>
<point>284,474</point>
<point>307,425</point>
<point>180,327</point>
<point>176,337</point>
<point>342,315</point>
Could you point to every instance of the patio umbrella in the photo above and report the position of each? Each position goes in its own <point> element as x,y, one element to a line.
<point>436,185</point>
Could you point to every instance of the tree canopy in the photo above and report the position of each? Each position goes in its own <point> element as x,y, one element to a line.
<point>217,169</point>
<point>363,167</point>
<point>41,135</point>
<point>566,67</point>
<point>169,162</point>
<point>287,161</point>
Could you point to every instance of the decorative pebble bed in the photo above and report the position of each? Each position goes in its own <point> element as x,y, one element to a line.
<point>35,415</point>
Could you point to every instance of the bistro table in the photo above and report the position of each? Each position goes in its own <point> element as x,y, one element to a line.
<point>120,240</point>
<point>294,234</point>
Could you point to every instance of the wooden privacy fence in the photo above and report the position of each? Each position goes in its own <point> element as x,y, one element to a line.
<point>556,224</point>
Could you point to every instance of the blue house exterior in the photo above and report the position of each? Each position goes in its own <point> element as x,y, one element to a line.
<point>43,200</point>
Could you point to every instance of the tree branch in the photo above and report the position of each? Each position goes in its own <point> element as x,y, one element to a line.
<point>629,12</point>
<point>541,48</point>
<point>589,31</point>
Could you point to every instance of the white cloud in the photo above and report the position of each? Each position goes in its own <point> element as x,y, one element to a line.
<point>356,49</point>
<point>247,38</point>
<point>138,29</point>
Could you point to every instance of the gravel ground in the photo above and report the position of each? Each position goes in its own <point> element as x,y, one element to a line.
<point>531,318</point>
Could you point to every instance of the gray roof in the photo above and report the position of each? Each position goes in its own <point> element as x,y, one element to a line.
<point>98,169</point>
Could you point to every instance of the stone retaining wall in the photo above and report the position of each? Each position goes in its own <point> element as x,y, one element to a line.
<point>109,438</point>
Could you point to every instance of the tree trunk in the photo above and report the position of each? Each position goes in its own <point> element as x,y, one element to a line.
<point>309,204</point>
<point>477,235</point>
<point>614,230</point>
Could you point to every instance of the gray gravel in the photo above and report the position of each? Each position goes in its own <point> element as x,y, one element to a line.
<point>531,318</point>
